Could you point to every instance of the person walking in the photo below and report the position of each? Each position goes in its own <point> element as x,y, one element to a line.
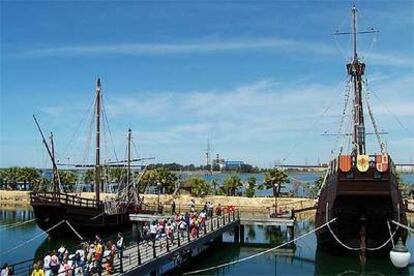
<point>173,207</point>
<point>46,264</point>
<point>120,249</point>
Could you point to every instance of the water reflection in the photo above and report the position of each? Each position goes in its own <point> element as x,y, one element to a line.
<point>301,259</point>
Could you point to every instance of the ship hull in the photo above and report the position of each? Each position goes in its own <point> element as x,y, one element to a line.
<point>363,204</point>
<point>86,220</point>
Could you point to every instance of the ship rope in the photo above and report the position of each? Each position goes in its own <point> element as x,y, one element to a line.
<point>358,248</point>
<point>409,131</point>
<point>374,124</point>
<point>41,234</point>
<point>262,252</point>
<point>343,116</point>
<point>403,226</point>
<point>12,225</point>
<point>74,231</point>
<point>32,239</point>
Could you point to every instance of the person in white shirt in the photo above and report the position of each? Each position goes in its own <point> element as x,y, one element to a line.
<point>120,248</point>
<point>46,264</point>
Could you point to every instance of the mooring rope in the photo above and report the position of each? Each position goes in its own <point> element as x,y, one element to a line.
<point>358,248</point>
<point>41,234</point>
<point>35,237</point>
<point>403,226</point>
<point>262,252</point>
<point>12,225</point>
<point>74,231</point>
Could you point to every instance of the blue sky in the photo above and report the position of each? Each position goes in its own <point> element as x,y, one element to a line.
<point>262,79</point>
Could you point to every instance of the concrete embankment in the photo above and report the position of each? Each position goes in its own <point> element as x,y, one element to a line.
<point>259,205</point>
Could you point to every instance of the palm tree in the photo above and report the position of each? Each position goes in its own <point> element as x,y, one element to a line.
<point>231,184</point>
<point>274,178</point>
<point>199,186</point>
<point>68,178</point>
<point>251,183</point>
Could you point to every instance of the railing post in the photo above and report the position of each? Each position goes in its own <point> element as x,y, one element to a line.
<point>233,216</point>
<point>139,255</point>
<point>211,223</point>
<point>198,232</point>
<point>188,234</point>
<point>178,239</point>
<point>168,245</point>
<point>153,250</point>
<point>224,219</point>
<point>218,222</point>
<point>205,228</point>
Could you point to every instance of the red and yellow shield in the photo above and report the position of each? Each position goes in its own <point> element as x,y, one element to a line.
<point>381,162</point>
<point>362,163</point>
<point>345,163</point>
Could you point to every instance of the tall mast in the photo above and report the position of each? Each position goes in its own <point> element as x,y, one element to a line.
<point>51,152</point>
<point>129,158</point>
<point>356,70</point>
<point>354,32</point>
<point>55,172</point>
<point>98,140</point>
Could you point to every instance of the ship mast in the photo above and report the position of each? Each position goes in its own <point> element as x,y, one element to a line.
<point>356,70</point>
<point>129,158</point>
<point>98,141</point>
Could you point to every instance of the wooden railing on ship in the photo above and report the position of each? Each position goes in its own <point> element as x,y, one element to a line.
<point>48,197</point>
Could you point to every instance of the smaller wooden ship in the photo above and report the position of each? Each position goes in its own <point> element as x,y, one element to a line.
<point>360,190</point>
<point>86,215</point>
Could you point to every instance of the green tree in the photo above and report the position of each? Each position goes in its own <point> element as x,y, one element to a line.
<point>26,175</point>
<point>231,184</point>
<point>251,184</point>
<point>167,179</point>
<point>274,178</point>
<point>314,188</point>
<point>117,175</point>
<point>89,176</point>
<point>199,186</point>
<point>68,179</point>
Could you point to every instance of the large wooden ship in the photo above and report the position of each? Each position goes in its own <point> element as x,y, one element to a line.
<point>86,215</point>
<point>360,190</point>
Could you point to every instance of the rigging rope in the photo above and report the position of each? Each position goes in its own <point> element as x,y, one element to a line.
<point>341,123</point>
<point>262,252</point>
<point>374,124</point>
<point>392,114</point>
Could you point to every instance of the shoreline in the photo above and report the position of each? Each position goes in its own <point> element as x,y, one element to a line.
<point>251,205</point>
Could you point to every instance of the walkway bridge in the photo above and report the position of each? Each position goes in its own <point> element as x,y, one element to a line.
<point>163,255</point>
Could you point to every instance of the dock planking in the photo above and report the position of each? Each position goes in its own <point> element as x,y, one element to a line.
<point>152,257</point>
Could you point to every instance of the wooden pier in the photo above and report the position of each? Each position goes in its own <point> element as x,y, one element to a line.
<point>163,254</point>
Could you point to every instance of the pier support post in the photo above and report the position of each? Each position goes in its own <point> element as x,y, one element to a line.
<point>241,233</point>
<point>237,234</point>
<point>154,253</point>
<point>291,233</point>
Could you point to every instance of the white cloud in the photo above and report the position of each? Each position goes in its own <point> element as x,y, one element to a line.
<point>282,45</point>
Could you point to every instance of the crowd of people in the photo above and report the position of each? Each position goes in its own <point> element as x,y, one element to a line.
<point>191,222</point>
<point>89,258</point>
<point>98,256</point>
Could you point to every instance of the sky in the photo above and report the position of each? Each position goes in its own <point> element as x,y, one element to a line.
<point>261,80</point>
